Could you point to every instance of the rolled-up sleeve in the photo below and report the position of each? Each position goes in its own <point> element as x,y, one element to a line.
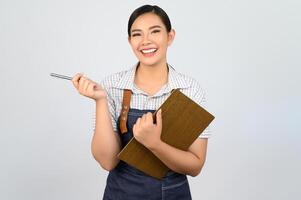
<point>200,98</point>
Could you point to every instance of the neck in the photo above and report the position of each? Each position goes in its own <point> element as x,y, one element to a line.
<point>153,75</point>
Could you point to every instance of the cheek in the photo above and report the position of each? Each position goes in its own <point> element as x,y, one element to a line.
<point>135,44</point>
<point>162,41</point>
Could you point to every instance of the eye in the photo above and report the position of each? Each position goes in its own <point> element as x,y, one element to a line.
<point>136,34</point>
<point>156,31</point>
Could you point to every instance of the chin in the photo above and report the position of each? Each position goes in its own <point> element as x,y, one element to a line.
<point>149,62</point>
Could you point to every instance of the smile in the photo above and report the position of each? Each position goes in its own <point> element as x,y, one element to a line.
<point>149,52</point>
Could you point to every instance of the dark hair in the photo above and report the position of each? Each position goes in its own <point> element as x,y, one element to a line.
<point>149,8</point>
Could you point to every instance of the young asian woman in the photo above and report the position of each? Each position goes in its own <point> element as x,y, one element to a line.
<point>150,82</point>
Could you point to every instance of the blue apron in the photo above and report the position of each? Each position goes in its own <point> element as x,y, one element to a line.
<point>125,182</point>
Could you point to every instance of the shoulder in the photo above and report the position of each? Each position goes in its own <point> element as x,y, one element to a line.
<point>192,82</point>
<point>110,80</point>
<point>189,83</point>
<point>193,89</point>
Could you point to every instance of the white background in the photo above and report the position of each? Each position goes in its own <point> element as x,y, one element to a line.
<point>246,54</point>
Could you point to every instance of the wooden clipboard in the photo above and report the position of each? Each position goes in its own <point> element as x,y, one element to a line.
<point>183,121</point>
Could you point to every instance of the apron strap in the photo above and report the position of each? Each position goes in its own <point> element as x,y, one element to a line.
<point>125,110</point>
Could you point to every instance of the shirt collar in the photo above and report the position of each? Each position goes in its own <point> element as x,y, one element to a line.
<point>175,79</point>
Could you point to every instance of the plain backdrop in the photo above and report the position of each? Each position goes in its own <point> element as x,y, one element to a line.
<point>246,55</point>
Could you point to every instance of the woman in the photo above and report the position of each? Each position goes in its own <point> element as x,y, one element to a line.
<point>150,82</point>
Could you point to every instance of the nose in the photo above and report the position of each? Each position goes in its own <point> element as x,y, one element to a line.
<point>145,40</point>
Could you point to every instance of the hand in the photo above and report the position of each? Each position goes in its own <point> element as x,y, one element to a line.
<point>88,88</point>
<point>146,132</point>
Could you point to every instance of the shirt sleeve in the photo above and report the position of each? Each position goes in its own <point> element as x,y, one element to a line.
<point>111,105</point>
<point>200,98</point>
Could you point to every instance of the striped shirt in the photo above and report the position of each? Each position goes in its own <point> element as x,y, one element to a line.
<point>115,84</point>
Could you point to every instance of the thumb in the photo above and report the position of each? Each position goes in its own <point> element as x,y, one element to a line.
<point>96,86</point>
<point>159,118</point>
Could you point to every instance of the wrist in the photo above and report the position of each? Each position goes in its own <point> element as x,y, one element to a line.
<point>156,146</point>
<point>101,100</point>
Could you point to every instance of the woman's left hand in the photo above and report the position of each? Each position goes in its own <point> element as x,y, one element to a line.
<point>146,132</point>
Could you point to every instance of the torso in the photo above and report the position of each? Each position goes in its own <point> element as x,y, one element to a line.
<point>149,90</point>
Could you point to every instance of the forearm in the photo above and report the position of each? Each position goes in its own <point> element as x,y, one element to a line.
<point>178,160</point>
<point>105,143</point>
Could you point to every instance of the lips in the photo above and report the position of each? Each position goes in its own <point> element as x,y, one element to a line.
<point>148,52</point>
<point>152,50</point>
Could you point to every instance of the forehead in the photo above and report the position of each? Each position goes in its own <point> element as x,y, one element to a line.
<point>147,20</point>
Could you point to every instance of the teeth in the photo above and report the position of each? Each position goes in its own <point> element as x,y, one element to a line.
<point>149,50</point>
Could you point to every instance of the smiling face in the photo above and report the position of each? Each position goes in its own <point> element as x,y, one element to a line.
<point>149,39</point>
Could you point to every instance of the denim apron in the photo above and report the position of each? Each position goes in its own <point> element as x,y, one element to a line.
<point>125,182</point>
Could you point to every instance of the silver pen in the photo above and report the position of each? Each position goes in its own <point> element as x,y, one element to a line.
<point>60,76</point>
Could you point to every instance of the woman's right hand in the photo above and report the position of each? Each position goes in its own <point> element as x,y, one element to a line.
<point>88,88</point>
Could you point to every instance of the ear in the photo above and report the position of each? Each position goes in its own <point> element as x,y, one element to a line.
<point>171,36</point>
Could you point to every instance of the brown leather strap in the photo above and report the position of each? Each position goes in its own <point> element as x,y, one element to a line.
<point>125,110</point>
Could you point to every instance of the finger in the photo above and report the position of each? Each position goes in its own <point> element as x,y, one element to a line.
<point>138,121</point>
<point>159,119</point>
<point>87,85</point>
<point>97,86</point>
<point>149,117</point>
<point>75,79</point>
<point>144,118</point>
<point>91,87</point>
<point>81,83</point>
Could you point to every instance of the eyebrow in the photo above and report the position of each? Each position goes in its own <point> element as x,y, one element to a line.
<point>152,27</point>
